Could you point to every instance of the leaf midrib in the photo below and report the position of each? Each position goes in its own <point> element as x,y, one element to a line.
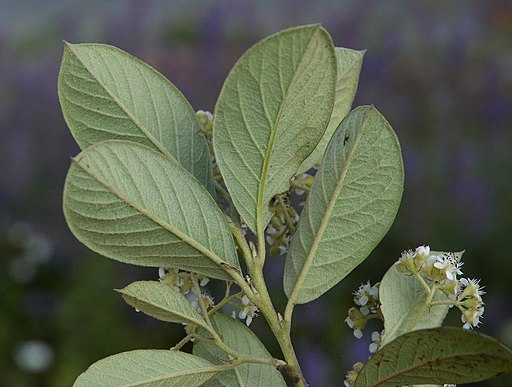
<point>191,371</point>
<point>138,124</point>
<point>325,220</point>
<point>270,144</point>
<point>185,238</point>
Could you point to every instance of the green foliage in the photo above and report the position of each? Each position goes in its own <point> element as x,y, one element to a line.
<point>158,300</point>
<point>439,355</point>
<point>349,66</point>
<point>107,94</point>
<point>141,192</point>
<point>352,204</point>
<point>272,112</point>
<point>237,336</point>
<point>404,305</point>
<point>130,203</point>
<point>148,368</point>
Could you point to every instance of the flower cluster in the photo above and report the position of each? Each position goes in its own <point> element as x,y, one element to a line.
<point>351,376</point>
<point>366,297</point>
<point>469,301</point>
<point>181,281</point>
<point>442,270</point>
<point>282,225</point>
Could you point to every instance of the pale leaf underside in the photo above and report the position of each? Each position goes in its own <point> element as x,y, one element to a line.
<point>130,203</point>
<point>271,113</point>
<point>349,66</point>
<point>240,338</point>
<point>403,305</point>
<point>105,94</point>
<point>148,368</point>
<point>352,204</point>
<point>160,301</point>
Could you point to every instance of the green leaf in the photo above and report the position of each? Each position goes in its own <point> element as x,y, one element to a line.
<point>349,67</point>
<point>351,206</point>
<point>105,94</point>
<point>403,305</point>
<point>272,111</point>
<point>148,368</point>
<point>129,203</point>
<point>439,355</point>
<point>240,338</point>
<point>160,301</point>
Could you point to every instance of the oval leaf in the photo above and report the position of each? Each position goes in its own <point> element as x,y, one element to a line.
<point>129,203</point>
<point>439,355</point>
<point>272,111</point>
<point>148,368</point>
<point>105,94</point>
<point>160,301</point>
<point>240,338</point>
<point>402,301</point>
<point>349,66</point>
<point>352,204</point>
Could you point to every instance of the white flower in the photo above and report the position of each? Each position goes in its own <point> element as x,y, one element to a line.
<point>358,333</point>
<point>249,312</point>
<point>449,266</point>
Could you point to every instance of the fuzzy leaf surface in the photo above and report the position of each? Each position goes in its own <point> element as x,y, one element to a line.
<point>272,111</point>
<point>240,338</point>
<point>130,203</point>
<point>403,305</point>
<point>349,66</point>
<point>160,301</point>
<point>438,355</point>
<point>105,94</point>
<point>352,204</point>
<point>148,368</point>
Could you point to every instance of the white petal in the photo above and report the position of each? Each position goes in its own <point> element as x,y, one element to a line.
<point>358,333</point>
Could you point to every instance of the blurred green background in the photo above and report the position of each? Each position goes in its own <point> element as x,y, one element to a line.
<point>440,72</point>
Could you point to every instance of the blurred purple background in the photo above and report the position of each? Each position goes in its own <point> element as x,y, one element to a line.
<point>440,72</point>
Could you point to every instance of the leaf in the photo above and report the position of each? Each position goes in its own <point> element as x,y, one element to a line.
<point>129,203</point>
<point>272,111</point>
<point>352,204</point>
<point>439,355</point>
<point>403,302</point>
<point>105,94</point>
<point>240,338</point>
<point>148,368</point>
<point>349,66</point>
<point>160,301</point>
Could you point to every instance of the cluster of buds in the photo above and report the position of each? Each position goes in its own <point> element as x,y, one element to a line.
<point>206,120</point>
<point>182,282</point>
<point>302,183</point>
<point>366,297</point>
<point>282,225</point>
<point>442,270</point>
